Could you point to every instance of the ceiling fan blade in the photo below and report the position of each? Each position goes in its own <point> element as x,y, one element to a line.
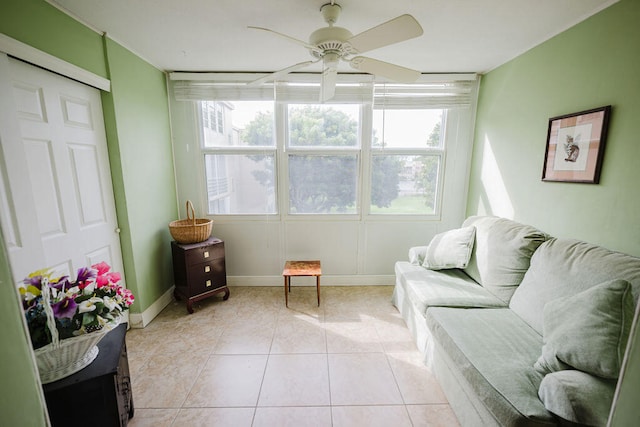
<point>328,84</point>
<point>293,39</point>
<point>399,29</point>
<point>279,73</point>
<point>385,69</point>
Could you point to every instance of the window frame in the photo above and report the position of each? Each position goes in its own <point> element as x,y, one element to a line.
<point>364,153</point>
<point>439,152</point>
<point>288,150</point>
<point>259,150</point>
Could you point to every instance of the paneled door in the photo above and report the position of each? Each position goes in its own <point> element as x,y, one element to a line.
<point>57,208</point>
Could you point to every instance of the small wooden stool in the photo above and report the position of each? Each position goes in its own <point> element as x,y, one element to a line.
<point>300,268</point>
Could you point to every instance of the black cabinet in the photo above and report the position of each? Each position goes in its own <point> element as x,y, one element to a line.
<point>199,270</point>
<point>99,394</point>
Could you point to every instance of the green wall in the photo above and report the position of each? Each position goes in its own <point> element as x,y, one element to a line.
<point>593,64</point>
<point>137,126</point>
<point>137,117</point>
<point>21,404</point>
<point>40,25</point>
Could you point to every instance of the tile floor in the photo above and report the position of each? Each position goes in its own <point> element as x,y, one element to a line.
<point>249,361</point>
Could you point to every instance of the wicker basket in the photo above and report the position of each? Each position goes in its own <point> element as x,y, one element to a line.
<point>62,358</point>
<point>192,229</point>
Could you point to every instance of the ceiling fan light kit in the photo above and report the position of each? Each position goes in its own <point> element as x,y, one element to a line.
<point>332,44</point>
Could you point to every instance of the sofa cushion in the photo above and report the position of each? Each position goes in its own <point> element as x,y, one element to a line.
<point>563,267</point>
<point>451,249</point>
<point>445,288</point>
<point>494,351</point>
<point>578,397</point>
<point>501,253</point>
<point>588,331</point>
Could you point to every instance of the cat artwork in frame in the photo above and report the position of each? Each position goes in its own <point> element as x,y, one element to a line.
<point>575,146</point>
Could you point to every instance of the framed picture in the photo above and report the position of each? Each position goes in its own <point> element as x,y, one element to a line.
<point>575,146</point>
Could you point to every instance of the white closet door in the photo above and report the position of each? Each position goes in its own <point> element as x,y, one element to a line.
<point>57,207</point>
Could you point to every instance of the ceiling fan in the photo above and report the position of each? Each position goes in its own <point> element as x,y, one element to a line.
<point>332,44</point>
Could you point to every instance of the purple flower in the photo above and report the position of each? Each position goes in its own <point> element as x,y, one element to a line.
<point>62,283</point>
<point>33,281</point>
<point>65,308</point>
<point>85,274</point>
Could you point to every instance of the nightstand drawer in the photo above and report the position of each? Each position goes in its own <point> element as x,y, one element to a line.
<point>208,276</point>
<point>203,254</point>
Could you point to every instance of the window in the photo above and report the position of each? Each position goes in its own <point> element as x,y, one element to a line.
<point>406,154</point>
<point>376,150</point>
<point>323,158</point>
<point>240,164</point>
<point>324,125</point>
<point>322,184</point>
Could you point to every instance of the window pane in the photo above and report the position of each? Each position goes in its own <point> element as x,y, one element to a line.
<point>322,184</point>
<point>238,123</point>
<point>407,128</point>
<point>324,125</point>
<point>240,184</point>
<point>404,184</point>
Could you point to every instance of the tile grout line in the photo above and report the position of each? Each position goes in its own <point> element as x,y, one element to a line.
<point>264,372</point>
<point>326,349</point>
<point>293,348</point>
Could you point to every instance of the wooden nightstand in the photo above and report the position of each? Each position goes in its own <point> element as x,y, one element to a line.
<point>199,270</point>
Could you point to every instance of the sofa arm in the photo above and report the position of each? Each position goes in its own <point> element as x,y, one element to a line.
<point>417,254</point>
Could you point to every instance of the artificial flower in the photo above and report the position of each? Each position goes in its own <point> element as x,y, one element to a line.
<point>89,305</point>
<point>110,303</point>
<point>30,293</point>
<point>102,268</point>
<point>64,308</point>
<point>84,305</point>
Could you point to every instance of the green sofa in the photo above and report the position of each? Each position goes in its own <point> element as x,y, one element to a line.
<point>520,328</point>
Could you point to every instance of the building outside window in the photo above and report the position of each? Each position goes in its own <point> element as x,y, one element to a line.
<point>213,115</point>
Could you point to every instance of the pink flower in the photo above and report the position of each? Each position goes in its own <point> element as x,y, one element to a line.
<point>103,268</point>
<point>101,281</point>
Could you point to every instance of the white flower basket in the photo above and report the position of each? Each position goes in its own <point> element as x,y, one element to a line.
<point>62,358</point>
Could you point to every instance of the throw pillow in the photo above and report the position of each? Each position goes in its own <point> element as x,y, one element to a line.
<point>588,331</point>
<point>451,249</point>
<point>578,397</point>
<point>416,254</point>
<point>501,254</point>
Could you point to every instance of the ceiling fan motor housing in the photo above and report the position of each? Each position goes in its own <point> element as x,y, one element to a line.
<point>330,39</point>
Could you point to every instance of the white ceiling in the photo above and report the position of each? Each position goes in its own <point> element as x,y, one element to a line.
<point>212,35</point>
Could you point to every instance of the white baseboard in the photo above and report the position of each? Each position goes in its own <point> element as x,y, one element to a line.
<point>354,280</point>
<point>140,320</point>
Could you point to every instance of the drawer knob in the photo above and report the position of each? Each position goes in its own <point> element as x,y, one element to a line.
<point>208,283</point>
<point>206,254</point>
<point>207,269</point>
